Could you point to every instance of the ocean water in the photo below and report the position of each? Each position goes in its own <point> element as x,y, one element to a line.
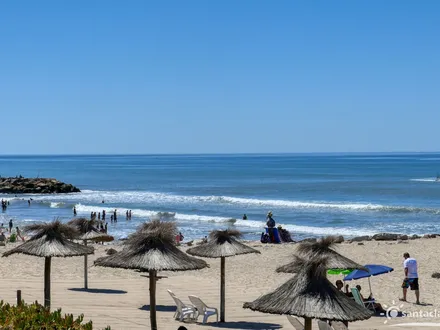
<point>310,195</point>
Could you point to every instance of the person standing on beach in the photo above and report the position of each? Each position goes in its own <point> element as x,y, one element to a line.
<point>10,225</point>
<point>19,233</point>
<point>411,277</point>
<point>115,217</point>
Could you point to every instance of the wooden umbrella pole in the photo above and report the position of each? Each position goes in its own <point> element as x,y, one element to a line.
<point>47,261</point>
<point>222,289</point>
<point>307,323</point>
<point>153,299</point>
<point>86,283</point>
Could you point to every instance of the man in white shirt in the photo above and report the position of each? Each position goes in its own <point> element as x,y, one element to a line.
<point>411,277</point>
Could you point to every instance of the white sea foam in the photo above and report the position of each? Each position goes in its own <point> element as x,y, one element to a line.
<point>87,209</point>
<point>164,199</point>
<point>425,180</point>
<point>228,221</point>
<point>56,205</point>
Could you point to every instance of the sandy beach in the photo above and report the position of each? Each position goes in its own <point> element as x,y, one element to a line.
<point>119,298</point>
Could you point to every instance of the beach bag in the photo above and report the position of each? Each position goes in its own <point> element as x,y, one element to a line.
<point>265,238</point>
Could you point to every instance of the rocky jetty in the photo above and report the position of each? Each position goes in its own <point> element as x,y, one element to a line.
<point>21,185</point>
<point>400,238</point>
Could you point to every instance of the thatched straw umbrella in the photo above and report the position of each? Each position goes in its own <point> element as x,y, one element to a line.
<point>222,244</point>
<point>50,240</point>
<point>152,248</point>
<point>320,248</point>
<point>89,232</point>
<point>309,294</point>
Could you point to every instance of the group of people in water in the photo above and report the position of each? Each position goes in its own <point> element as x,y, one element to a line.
<point>97,216</point>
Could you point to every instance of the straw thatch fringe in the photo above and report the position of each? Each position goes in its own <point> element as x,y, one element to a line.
<point>321,248</point>
<point>89,231</point>
<point>152,247</point>
<point>222,243</point>
<point>294,267</point>
<point>309,294</point>
<point>51,240</point>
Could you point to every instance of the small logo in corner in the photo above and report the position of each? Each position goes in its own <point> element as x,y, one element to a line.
<point>392,311</point>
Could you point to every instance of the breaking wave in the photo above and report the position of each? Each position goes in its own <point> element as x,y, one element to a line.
<point>165,199</point>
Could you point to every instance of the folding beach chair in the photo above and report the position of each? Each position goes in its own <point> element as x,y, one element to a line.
<point>369,304</point>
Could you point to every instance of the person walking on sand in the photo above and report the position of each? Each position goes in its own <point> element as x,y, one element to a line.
<point>411,277</point>
<point>19,233</point>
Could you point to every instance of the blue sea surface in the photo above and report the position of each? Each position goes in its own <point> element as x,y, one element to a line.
<point>310,195</point>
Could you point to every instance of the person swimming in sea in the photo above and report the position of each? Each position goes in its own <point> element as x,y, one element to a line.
<point>244,217</point>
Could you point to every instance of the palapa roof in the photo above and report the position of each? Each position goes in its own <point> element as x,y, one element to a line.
<point>152,247</point>
<point>320,248</point>
<point>89,231</point>
<point>51,240</point>
<point>310,294</point>
<point>222,243</point>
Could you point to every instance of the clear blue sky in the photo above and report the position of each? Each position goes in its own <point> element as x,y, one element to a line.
<point>219,76</point>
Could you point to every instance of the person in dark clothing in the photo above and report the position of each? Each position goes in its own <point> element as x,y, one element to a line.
<point>244,217</point>
<point>10,225</point>
<point>270,223</point>
<point>284,234</point>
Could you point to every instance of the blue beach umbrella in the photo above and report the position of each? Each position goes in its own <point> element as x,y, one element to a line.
<point>373,270</point>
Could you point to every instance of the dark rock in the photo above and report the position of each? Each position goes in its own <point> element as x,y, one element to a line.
<point>403,237</point>
<point>20,185</point>
<point>402,242</point>
<point>110,251</point>
<point>435,275</point>
<point>361,243</point>
<point>429,236</point>
<point>360,238</point>
<point>414,236</point>
<point>385,237</point>
<point>339,239</point>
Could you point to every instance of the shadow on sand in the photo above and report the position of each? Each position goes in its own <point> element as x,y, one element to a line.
<point>106,291</point>
<point>244,325</point>
<point>160,308</point>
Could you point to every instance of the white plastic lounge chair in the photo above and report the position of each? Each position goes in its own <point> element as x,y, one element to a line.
<point>323,325</point>
<point>183,310</point>
<point>295,322</point>
<point>339,326</point>
<point>203,309</point>
<point>369,304</point>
